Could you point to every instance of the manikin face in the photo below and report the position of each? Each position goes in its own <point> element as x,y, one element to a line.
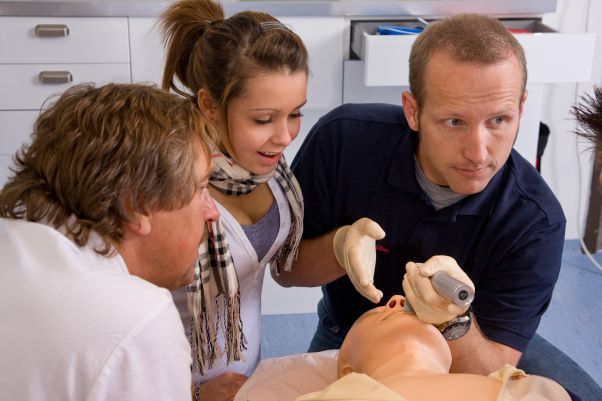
<point>468,121</point>
<point>387,337</point>
<point>170,249</point>
<point>265,119</point>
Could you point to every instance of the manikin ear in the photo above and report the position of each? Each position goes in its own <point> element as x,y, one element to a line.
<point>343,365</point>
<point>207,105</point>
<point>140,225</point>
<point>410,110</point>
<point>345,370</point>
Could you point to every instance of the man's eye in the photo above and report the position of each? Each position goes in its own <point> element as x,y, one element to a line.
<point>453,122</point>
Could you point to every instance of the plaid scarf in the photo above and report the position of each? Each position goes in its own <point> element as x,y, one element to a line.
<point>214,296</point>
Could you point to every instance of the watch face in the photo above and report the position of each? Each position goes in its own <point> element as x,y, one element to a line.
<point>456,330</point>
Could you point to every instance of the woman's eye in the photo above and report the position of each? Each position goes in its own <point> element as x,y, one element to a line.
<point>263,122</point>
<point>297,115</point>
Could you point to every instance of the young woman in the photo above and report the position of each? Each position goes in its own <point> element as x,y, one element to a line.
<point>248,75</point>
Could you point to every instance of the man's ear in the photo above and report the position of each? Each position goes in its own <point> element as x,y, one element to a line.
<point>522,102</point>
<point>140,224</point>
<point>410,110</point>
<point>207,105</point>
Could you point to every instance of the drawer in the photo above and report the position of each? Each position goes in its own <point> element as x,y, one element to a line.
<point>5,162</point>
<point>551,56</point>
<point>15,129</point>
<point>28,93</point>
<point>85,40</point>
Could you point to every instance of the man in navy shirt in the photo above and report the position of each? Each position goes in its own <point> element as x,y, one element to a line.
<point>385,185</point>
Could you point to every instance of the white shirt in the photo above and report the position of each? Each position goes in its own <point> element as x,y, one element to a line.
<point>77,326</point>
<point>250,273</point>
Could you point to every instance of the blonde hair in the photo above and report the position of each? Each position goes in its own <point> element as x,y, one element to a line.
<point>99,156</point>
<point>470,38</point>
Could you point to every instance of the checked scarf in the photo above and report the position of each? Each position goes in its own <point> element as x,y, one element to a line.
<point>214,296</point>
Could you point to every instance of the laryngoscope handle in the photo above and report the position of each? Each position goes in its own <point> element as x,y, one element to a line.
<point>452,289</point>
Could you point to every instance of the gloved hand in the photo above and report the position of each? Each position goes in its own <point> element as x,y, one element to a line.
<point>428,305</point>
<point>354,248</point>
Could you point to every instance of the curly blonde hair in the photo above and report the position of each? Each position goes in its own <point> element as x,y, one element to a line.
<point>99,156</point>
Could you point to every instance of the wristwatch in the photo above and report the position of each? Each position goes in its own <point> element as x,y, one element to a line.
<point>457,327</point>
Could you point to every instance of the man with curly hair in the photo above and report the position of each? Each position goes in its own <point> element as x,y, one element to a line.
<point>102,216</point>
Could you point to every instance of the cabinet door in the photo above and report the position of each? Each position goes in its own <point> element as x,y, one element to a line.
<point>5,162</point>
<point>15,129</point>
<point>324,39</point>
<point>147,56</point>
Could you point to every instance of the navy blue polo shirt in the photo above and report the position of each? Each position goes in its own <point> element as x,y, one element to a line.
<point>358,161</point>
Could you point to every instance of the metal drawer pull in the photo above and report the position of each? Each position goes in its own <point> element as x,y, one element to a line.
<point>51,30</point>
<point>55,77</point>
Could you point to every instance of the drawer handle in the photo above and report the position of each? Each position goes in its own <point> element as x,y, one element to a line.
<point>55,77</point>
<point>51,30</point>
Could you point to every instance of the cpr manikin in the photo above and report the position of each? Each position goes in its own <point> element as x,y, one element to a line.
<point>390,354</point>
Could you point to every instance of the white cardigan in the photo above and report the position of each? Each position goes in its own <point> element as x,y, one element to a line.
<point>250,273</point>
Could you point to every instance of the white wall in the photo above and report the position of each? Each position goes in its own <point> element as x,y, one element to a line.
<point>566,164</point>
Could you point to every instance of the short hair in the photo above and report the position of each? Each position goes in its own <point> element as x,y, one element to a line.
<point>588,114</point>
<point>470,38</point>
<point>204,50</point>
<point>99,156</point>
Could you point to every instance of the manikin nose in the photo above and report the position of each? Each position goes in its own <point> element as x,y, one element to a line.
<point>396,301</point>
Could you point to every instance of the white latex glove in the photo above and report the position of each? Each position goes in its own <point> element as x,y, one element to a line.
<point>428,305</point>
<point>354,248</point>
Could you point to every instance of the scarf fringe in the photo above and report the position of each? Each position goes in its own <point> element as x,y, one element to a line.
<point>205,347</point>
<point>236,341</point>
<point>205,350</point>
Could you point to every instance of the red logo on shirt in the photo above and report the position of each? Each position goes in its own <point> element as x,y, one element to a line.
<point>381,248</point>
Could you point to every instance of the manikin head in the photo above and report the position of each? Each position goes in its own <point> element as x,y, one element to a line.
<point>387,340</point>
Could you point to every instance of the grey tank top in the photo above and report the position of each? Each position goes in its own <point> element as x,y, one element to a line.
<point>440,197</point>
<point>262,234</point>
